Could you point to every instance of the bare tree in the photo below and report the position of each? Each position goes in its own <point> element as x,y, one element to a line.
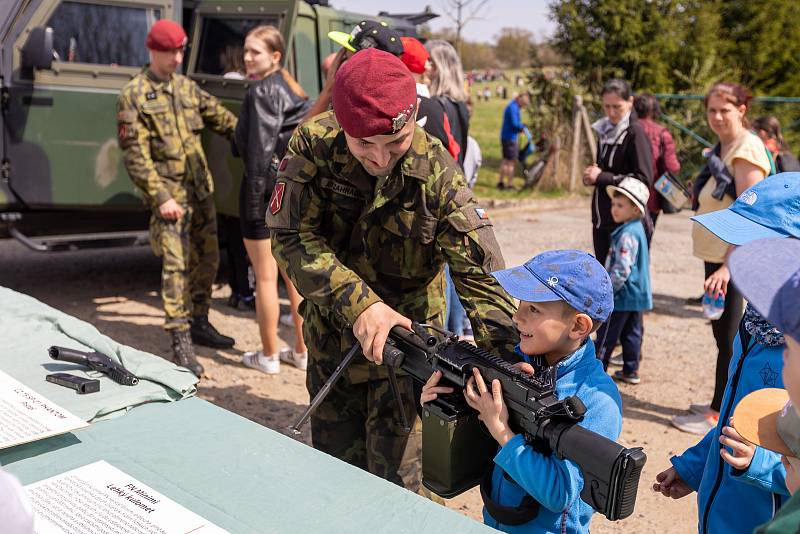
<point>461,12</point>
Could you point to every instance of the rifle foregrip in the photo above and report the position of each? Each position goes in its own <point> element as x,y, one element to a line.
<point>392,356</point>
<point>64,354</point>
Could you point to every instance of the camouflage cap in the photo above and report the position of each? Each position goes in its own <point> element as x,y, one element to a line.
<point>374,94</point>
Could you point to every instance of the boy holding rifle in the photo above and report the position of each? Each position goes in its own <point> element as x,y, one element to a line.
<point>565,295</point>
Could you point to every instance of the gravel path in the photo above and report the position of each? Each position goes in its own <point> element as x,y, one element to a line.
<point>116,290</point>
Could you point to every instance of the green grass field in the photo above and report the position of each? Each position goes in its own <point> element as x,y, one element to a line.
<point>487,118</point>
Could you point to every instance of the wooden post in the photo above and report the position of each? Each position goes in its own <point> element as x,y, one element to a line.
<point>557,159</point>
<point>587,128</point>
<point>574,161</point>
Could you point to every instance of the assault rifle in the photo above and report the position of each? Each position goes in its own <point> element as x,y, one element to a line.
<point>457,450</point>
<point>95,361</point>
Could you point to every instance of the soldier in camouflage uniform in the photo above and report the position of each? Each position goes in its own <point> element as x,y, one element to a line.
<point>366,210</point>
<point>160,116</point>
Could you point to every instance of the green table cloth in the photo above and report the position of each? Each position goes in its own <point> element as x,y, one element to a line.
<point>29,327</point>
<point>239,475</point>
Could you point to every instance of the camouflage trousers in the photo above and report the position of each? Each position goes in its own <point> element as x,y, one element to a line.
<point>360,423</point>
<point>190,257</point>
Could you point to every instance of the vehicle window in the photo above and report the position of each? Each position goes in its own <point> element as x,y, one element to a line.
<point>102,34</point>
<point>222,44</point>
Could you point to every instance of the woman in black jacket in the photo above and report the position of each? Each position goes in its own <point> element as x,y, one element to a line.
<point>273,107</point>
<point>623,149</point>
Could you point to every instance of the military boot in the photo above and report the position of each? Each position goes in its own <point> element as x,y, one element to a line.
<point>183,352</point>
<point>208,336</point>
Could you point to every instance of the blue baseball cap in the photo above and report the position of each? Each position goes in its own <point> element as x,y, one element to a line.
<point>767,272</point>
<point>771,208</point>
<point>573,276</point>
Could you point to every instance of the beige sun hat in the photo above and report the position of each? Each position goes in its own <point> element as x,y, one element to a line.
<point>634,189</point>
<point>768,418</point>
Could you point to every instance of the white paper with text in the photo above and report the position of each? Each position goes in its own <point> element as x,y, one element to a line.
<point>99,498</point>
<point>26,416</point>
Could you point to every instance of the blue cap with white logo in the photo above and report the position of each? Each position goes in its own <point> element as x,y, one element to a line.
<point>767,272</point>
<point>573,276</point>
<point>771,208</point>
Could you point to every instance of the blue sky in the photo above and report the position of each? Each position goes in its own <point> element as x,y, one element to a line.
<point>531,15</point>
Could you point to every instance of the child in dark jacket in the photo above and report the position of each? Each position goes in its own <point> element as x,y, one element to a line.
<point>628,265</point>
<point>564,296</point>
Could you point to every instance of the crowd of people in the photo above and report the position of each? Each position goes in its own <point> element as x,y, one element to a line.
<point>361,202</point>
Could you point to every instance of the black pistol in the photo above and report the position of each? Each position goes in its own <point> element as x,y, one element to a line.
<point>95,361</point>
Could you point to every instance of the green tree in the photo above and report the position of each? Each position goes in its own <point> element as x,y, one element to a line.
<point>762,37</point>
<point>477,56</point>
<point>513,47</point>
<point>642,41</point>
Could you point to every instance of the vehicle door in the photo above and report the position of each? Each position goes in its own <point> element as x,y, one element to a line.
<point>62,123</point>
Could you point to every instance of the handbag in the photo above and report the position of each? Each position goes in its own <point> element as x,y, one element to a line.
<point>673,191</point>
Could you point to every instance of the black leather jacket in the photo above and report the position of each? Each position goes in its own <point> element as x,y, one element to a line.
<point>270,113</point>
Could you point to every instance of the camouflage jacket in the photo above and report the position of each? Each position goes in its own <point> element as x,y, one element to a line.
<point>159,125</point>
<point>348,240</point>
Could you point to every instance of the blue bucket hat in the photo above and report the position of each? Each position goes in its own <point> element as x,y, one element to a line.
<point>767,272</point>
<point>573,276</point>
<point>771,208</point>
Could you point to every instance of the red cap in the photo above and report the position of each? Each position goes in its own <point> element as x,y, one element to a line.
<point>166,35</point>
<point>414,55</point>
<point>374,94</point>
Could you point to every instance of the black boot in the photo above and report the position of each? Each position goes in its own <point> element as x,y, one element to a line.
<point>205,334</point>
<point>183,352</point>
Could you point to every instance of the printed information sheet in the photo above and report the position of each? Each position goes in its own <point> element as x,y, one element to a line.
<point>99,498</point>
<point>26,416</point>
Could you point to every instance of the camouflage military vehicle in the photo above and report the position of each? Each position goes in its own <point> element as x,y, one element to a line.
<point>62,65</point>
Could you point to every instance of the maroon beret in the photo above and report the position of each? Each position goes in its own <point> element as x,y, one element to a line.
<point>374,94</point>
<point>166,35</point>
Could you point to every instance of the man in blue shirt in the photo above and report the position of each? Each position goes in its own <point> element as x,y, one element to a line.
<point>509,134</point>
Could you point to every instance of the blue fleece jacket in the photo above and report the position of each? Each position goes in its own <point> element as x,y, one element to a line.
<point>729,500</point>
<point>628,265</point>
<point>512,122</point>
<point>557,484</point>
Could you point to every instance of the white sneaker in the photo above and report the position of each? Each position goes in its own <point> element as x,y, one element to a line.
<point>286,320</point>
<point>616,361</point>
<point>696,423</point>
<point>257,360</point>
<point>298,359</point>
<point>697,407</point>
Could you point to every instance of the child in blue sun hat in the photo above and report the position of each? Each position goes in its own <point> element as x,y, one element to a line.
<point>728,472</point>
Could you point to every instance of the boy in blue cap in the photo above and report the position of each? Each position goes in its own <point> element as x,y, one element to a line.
<point>564,296</point>
<point>728,472</point>
<point>767,272</point>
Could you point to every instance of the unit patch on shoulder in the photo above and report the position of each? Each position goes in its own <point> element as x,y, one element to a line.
<point>276,202</point>
<point>481,213</point>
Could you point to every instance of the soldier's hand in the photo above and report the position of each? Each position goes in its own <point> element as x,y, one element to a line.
<point>372,328</point>
<point>170,210</point>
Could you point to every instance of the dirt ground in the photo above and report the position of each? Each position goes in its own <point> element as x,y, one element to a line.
<point>116,290</point>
